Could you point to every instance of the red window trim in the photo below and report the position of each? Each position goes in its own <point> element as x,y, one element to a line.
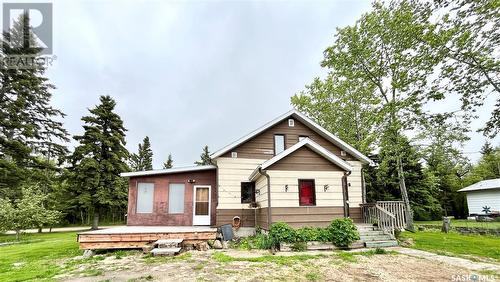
<point>313,192</point>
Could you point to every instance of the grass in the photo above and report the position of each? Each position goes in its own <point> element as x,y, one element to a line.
<point>463,223</point>
<point>150,259</point>
<point>456,244</point>
<point>36,256</point>
<point>313,276</point>
<point>281,260</point>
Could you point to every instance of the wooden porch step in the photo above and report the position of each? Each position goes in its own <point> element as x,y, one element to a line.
<point>371,233</point>
<point>381,244</point>
<point>376,238</point>
<point>165,251</point>
<point>168,243</point>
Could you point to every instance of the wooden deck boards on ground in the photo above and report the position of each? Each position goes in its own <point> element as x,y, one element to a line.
<point>132,237</point>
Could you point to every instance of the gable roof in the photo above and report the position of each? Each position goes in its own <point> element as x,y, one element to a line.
<point>307,143</point>
<point>307,122</point>
<point>483,185</point>
<point>167,171</point>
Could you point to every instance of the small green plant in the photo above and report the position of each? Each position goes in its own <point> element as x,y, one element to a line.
<point>307,234</point>
<point>281,232</point>
<point>262,241</point>
<point>119,254</point>
<point>312,276</point>
<point>380,251</point>
<point>348,257</point>
<point>343,232</point>
<point>298,246</point>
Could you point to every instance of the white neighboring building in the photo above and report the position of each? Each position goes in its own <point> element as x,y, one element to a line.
<point>483,194</point>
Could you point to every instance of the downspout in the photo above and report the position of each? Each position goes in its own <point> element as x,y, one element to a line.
<point>264,173</point>
<point>345,193</point>
<point>363,186</point>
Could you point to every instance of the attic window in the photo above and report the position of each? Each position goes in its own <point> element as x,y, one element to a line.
<point>291,122</point>
<point>343,153</point>
<point>234,155</point>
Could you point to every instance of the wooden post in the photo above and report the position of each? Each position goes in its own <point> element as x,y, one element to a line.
<point>446,224</point>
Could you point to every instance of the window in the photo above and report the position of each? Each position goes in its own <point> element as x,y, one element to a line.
<point>302,137</point>
<point>175,198</point>
<point>279,143</point>
<point>307,193</point>
<point>291,122</point>
<point>247,192</point>
<point>145,192</point>
<point>234,155</point>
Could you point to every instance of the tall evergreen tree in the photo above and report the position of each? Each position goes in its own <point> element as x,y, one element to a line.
<point>169,163</point>
<point>143,160</point>
<point>383,181</point>
<point>205,158</point>
<point>30,128</point>
<point>99,159</point>
<point>486,149</point>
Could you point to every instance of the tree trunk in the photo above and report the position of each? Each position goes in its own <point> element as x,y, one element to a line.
<point>18,234</point>
<point>39,229</point>
<point>404,195</point>
<point>95,221</point>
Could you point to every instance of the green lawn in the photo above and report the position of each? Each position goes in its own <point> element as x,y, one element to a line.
<point>456,244</point>
<point>38,255</point>
<point>463,223</point>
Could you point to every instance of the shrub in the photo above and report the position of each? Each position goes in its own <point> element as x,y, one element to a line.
<point>281,232</point>
<point>262,241</point>
<point>343,232</point>
<point>306,234</point>
<point>298,246</point>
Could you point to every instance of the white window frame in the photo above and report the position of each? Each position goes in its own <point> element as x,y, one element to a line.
<point>274,142</point>
<point>183,198</point>
<point>138,198</point>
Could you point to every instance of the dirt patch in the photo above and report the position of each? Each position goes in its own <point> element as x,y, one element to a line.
<point>260,265</point>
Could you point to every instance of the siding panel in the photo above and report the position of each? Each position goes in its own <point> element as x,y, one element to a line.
<point>262,145</point>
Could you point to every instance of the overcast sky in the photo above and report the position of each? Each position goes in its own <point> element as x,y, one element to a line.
<point>188,74</point>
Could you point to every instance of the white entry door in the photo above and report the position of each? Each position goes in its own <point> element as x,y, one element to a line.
<point>201,205</point>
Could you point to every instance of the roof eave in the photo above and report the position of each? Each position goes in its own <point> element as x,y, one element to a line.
<point>313,125</point>
<point>167,171</point>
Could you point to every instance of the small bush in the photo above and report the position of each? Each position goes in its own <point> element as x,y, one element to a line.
<point>298,246</point>
<point>281,232</point>
<point>307,234</point>
<point>343,232</point>
<point>263,241</point>
<point>380,251</point>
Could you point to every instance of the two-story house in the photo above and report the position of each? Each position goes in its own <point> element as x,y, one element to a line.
<point>290,169</point>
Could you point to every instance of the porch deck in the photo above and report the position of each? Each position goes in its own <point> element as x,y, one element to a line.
<point>137,237</point>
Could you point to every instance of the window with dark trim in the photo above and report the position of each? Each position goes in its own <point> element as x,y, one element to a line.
<point>247,192</point>
<point>302,137</point>
<point>279,143</point>
<point>307,192</point>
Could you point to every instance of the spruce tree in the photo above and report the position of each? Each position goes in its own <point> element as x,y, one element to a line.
<point>30,128</point>
<point>143,160</point>
<point>99,159</point>
<point>204,157</point>
<point>169,163</point>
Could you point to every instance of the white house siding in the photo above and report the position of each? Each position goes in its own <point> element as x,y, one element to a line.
<point>329,198</point>
<point>476,200</point>
<point>231,172</point>
<point>261,187</point>
<point>355,190</point>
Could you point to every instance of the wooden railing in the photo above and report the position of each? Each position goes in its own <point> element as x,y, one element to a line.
<point>386,215</point>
